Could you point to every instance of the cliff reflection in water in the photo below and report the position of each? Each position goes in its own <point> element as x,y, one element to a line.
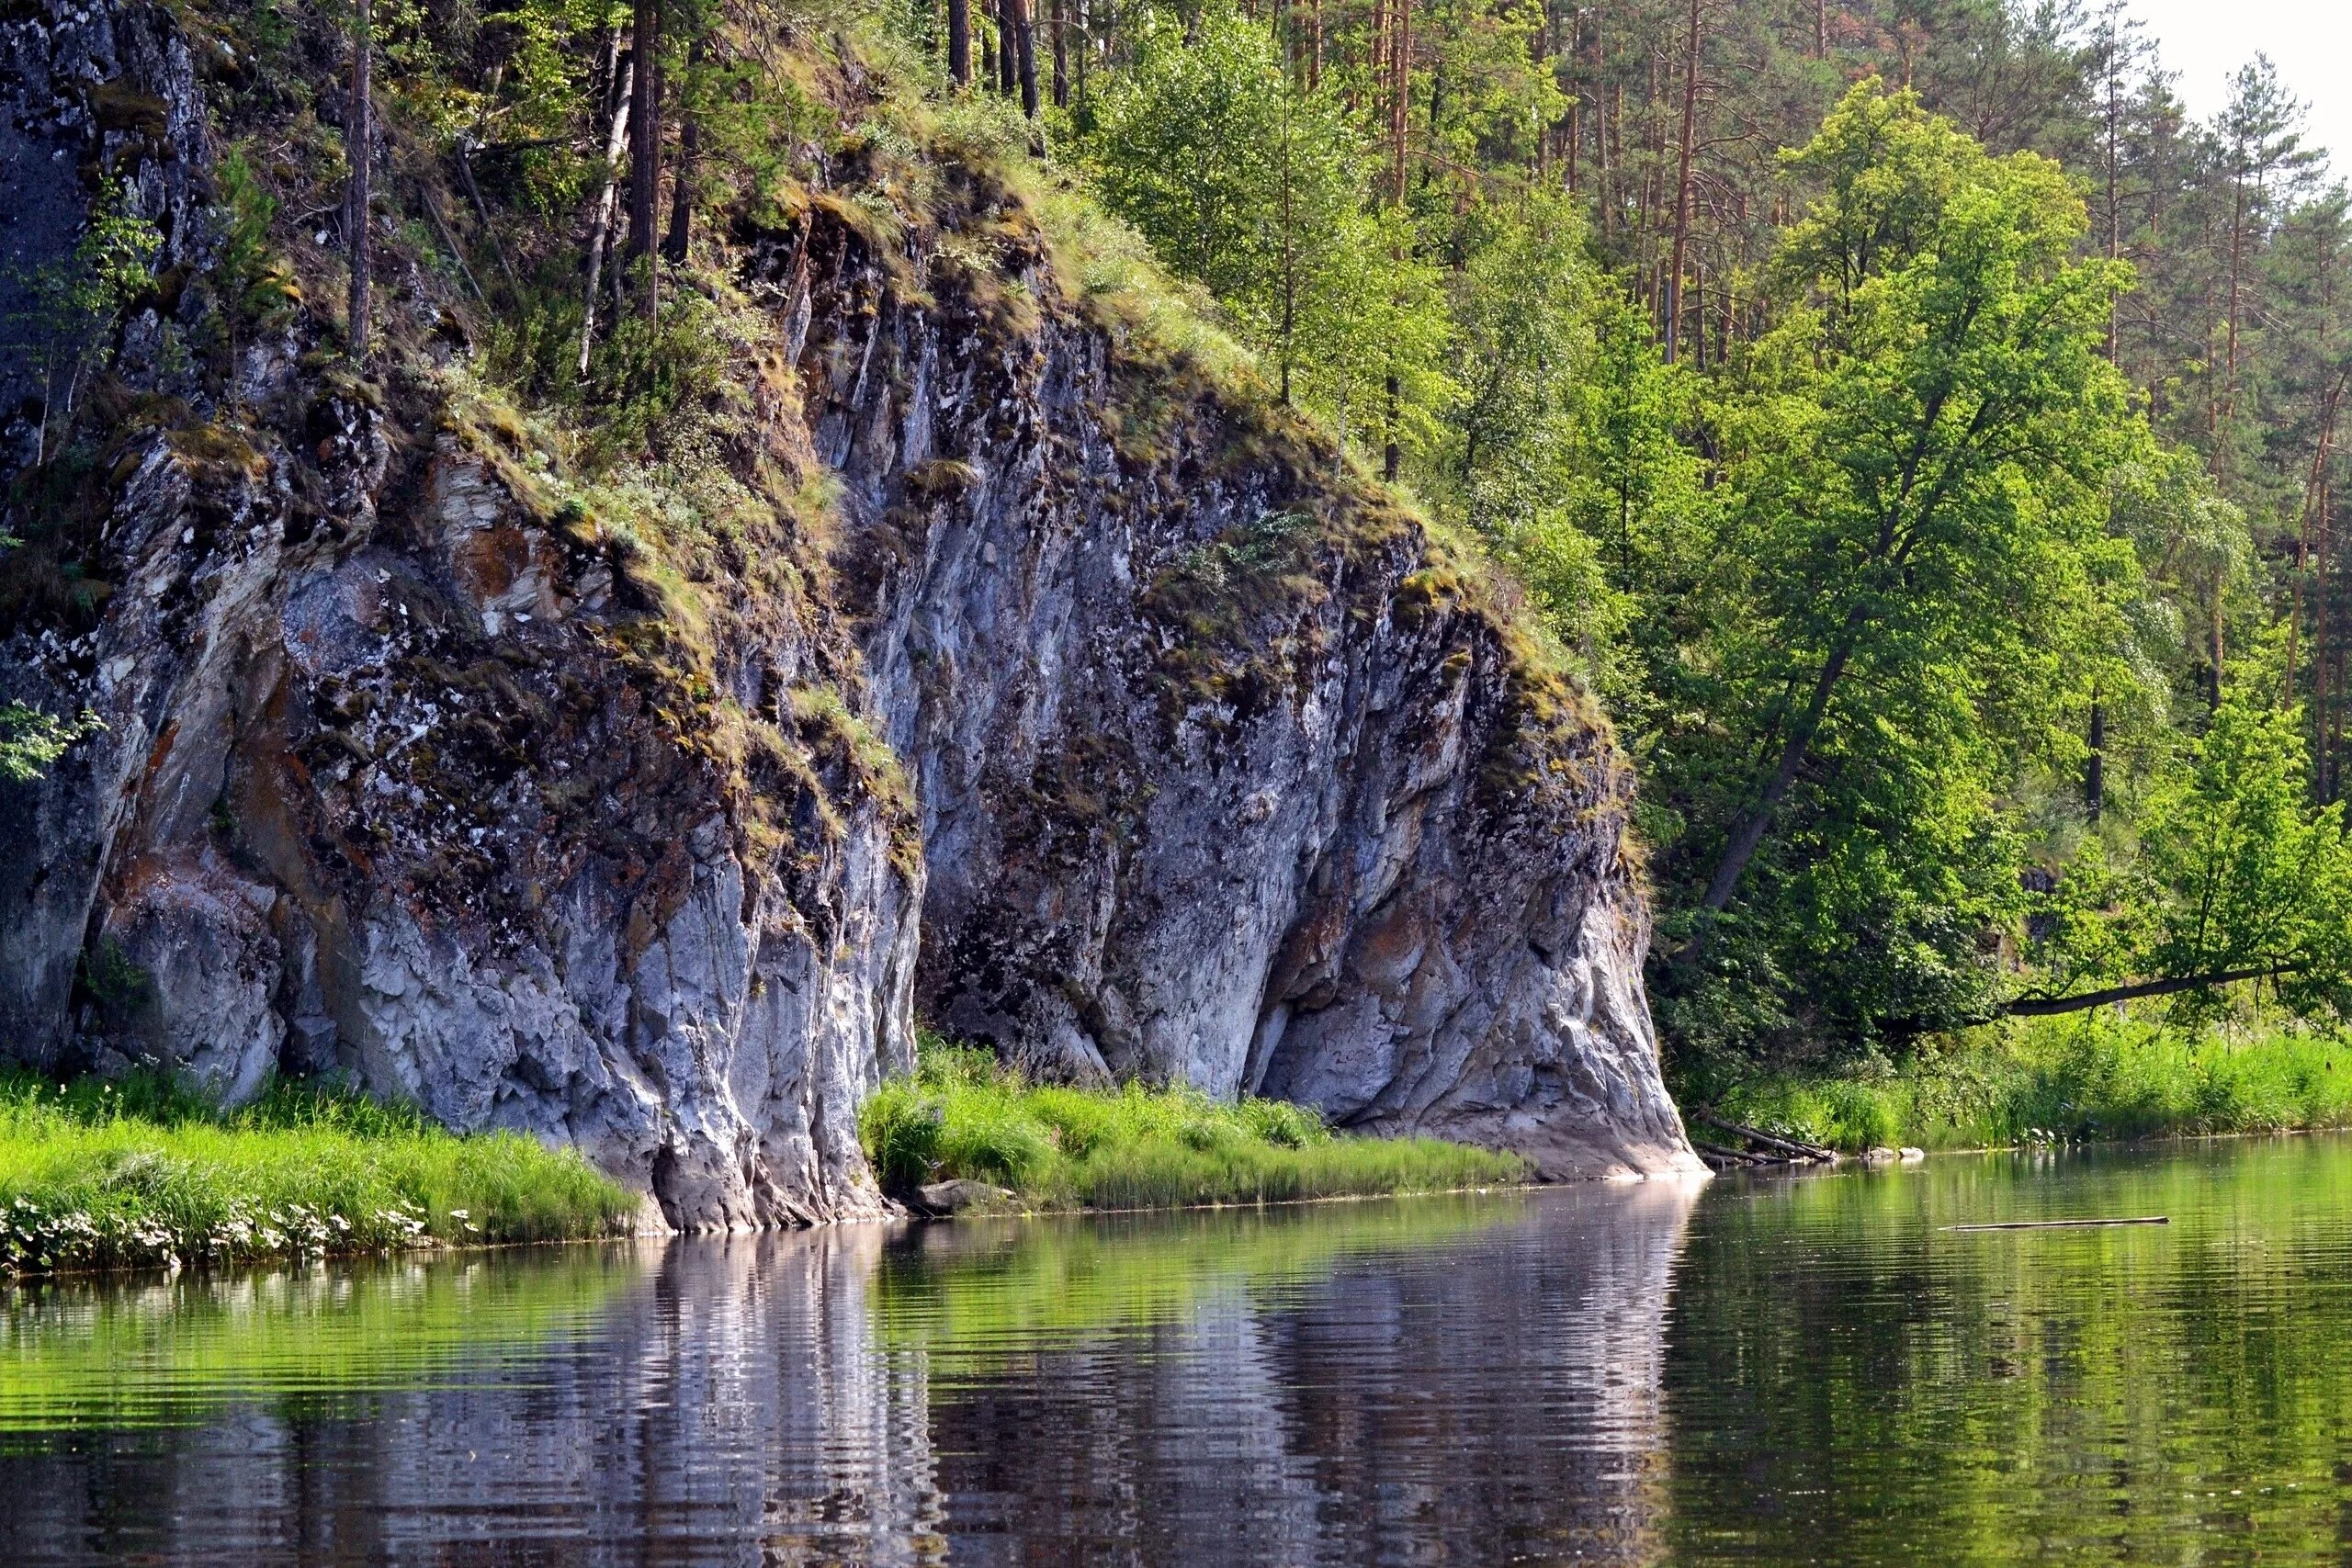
<point>1437,1380</point>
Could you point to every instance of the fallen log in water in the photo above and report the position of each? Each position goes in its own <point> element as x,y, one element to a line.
<point>1789,1149</point>
<point>2060,1224</point>
<point>1716,1154</point>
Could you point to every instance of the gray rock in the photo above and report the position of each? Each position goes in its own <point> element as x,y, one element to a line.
<point>963,1195</point>
<point>1226,777</point>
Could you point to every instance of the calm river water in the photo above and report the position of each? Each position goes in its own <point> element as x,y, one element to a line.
<point>1802,1370</point>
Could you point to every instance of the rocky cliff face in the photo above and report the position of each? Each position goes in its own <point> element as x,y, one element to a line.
<point>1226,775</point>
<point>1094,714</point>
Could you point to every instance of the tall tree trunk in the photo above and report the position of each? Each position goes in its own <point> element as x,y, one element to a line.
<point>1614,190</point>
<point>488,228</point>
<point>2112,105</point>
<point>2095,765</point>
<point>1400,72</point>
<point>1400,96</point>
<point>1061,54</point>
<point>600,217</point>
<point>1575,133</point>
<point>1683,190</point>
<point>1821,30</point>
<point>2322,477</point>
<point>359,146</point>
<point>1392,454</point>
<point>959,41</point>
<point>2220,582</point>
<point>2314,499</point>
<point>2237,262</point>
<point>676,244</point>
<point>2323,684</point>
<point>645,148</point>
<point>1024,38</point>
<point>605,73</point>
<point>2212,392</point>
<point>1008,50</point>
<point>1699,313</point>
<point>1747,831</point>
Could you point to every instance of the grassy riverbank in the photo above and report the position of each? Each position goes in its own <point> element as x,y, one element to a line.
<point>964,1115</point>
<point>100,1175</point>
<point>2088,1077</point>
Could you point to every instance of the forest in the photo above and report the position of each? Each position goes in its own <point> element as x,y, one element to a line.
<point>1916,430</point>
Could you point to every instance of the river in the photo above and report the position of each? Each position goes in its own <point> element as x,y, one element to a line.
<point>1761,1370</point>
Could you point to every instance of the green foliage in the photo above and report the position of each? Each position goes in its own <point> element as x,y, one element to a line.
<point>1571,461</point>
<point>2094,1075</point>
<point>2250,875</point>
<point>963,1115</point>
<point>2236,871</point>
<point>1884,625</point>
<point>32,740</point>
<point>650,382</point>
<point>1889,460</point>
<point>255,283</point>
<point>1249,182</point>
<point>66,323</point>
<point>142,1172</point>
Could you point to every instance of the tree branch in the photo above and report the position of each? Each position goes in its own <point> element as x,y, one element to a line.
<point>2046,1006</point>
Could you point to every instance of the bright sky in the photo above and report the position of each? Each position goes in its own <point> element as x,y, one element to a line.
<point>2204,42</point>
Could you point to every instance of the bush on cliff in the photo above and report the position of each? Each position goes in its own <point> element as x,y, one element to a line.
<point>142,1173</point>
<point>963,1115</point>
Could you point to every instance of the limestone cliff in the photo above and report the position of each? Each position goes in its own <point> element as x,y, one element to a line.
<point>1053,694</point>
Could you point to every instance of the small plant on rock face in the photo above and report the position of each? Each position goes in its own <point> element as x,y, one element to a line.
<point>113,981</point>
<point>32,740</point>
<point>650,382</point>
<point>258,287</point>
<point>75,300</point>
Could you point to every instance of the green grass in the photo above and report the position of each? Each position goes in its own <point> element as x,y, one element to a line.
<point>964,1115</point>
<point>141,1173</point>
<point>2089,1077</point>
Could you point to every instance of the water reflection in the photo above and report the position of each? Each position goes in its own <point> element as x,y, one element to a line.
<point>1770,1372</point>
<point>1371,1405</point>
<point>1848,1379</point>
<point>1435,1381</point>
